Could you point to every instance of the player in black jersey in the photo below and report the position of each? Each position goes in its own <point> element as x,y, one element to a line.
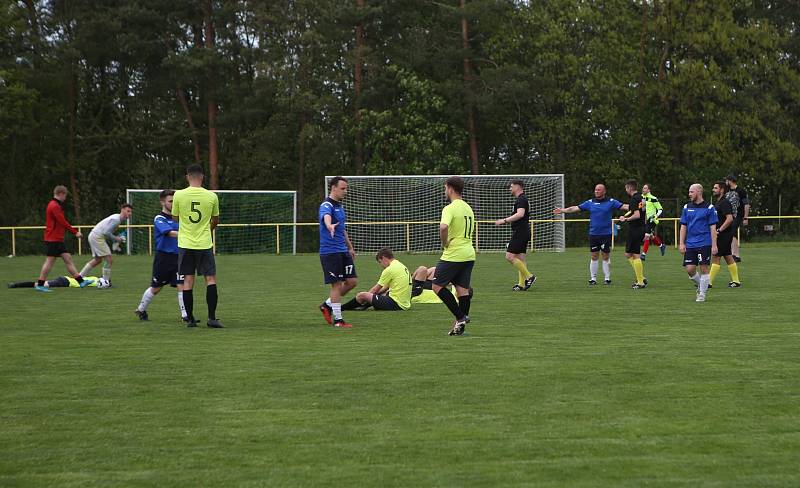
<point>636,219</point>
<point>520,236</point>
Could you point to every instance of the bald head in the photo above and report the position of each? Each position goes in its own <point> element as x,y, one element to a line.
<point>600,191</point>
<point>696,193</point>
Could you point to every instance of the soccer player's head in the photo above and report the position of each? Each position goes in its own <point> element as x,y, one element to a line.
<point>454,187</point>
<point>166,199</point>
<point>337,188</point>
<point>194,173</point>
<point>720,188</point>
<point>631,186</point>
<point>125,211</point>
<point>696,193</point>
<point>384,256</point>
<point>600,191</point>
<point>60,192</point>
<point>646,189</point>
<point>516,187</point>
<point>730,180</point>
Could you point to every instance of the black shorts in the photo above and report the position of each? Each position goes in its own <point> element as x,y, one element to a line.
<point>724,241</point>
<point>650,228</point>
<point>54,248</point>
<point>384,302</point>
<point>600,243</point>
<point>457,273</point>
<point>165,270</point>
<point>196,261</point>
<point>697,256</point>
<point>337,267</point>
<point>633,243</point>
<point>519,241</point>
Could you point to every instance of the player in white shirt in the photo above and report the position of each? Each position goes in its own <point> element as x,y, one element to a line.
<point>101,233</point>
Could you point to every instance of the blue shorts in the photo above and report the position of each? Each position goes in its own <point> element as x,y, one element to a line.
<point>697,256</point>
<point>600,243</point>
<point>165,270</point>
<point>337,267</point>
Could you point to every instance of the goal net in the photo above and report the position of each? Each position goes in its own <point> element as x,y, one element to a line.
<point>247,221</point>
<point>402,212</point>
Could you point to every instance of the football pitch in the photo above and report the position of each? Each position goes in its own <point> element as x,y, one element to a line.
<point>563,385</point>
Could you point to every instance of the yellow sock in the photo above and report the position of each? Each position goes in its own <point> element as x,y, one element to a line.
<point>638,268</point>
<point>714,271</point>
<point>733,269</point>
<point>521,278</point>
<point>517,263</point>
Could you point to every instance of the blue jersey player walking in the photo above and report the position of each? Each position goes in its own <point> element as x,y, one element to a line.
<point>165,261</point>
<point>698,238</point>
<point>601,212</point>
<point>336,253</point>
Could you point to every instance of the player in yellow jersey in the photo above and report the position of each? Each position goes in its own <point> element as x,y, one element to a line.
<point>456,228</point>
<point>393,290</point>
<point>197,212</point>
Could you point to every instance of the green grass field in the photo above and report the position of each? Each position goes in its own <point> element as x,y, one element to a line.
<point>562,385</point>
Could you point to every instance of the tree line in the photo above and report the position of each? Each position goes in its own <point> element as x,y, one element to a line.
<point>103,95</point>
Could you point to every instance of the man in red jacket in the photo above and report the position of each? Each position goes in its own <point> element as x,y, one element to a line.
<point>54,240</point>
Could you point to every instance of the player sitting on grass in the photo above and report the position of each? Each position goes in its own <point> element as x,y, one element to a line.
<point>60,282</point>
<point>393,290</point>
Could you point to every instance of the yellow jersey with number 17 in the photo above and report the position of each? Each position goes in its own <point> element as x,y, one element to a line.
<point>194,206</point>
<point>460,223</point>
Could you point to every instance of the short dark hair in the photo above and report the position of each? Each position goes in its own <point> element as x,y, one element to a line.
<point>126,205</point>
<point>723,185</point>
<point>384,252</point>
<point>456,183</point>
<point>165,193</point>
<point>194,169</point>
<point>519,183</point>
<point>731,177</point>
<point>335,181</point>
<point>632,183</point>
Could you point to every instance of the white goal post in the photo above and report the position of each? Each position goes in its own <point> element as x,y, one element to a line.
<point>402,212</point>
<point>249,221</point>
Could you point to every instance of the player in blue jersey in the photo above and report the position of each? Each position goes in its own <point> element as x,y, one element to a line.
<point>336,253</point>
<point>165,261</point>
<point>601,212</point>
<point>698,238</point>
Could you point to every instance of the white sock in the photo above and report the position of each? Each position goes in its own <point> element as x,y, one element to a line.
<point>328,302</point>
<point>696,278</point>
<point>86,269</point>
<point>147,297</point>
<point>704,278</point>
<point>337,310</point>
<point>107,272</point>
<point>607,269</point>
<point>181,305</point>
<point>593,265</point>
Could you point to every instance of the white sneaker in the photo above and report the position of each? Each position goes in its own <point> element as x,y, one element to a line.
<point>701,297</point>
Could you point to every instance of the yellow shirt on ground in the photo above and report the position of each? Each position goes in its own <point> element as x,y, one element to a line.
<point>460,223</point>
<point>194,206</point>
<point>398,279</point>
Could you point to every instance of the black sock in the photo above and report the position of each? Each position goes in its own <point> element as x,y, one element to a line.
<point>449,300</point>
<point>416,288</point>
<point>211,300</point>
<point>351,305</point>
<point>463,304</point>
<point>188,303</point>
<point>39,282</point>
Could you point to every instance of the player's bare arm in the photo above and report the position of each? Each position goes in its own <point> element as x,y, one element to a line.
<point>519,214</point>
<point>682,240</point>
<point>443,235</point>
<point>728,222</point>
<point>572,209</point>
<point>711,229</point>
<point>328,225</point>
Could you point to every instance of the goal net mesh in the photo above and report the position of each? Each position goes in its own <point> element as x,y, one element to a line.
<point>244,218</point>
<point>402,212</point>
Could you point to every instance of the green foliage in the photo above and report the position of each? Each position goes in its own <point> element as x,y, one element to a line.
<point>672,92</point>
